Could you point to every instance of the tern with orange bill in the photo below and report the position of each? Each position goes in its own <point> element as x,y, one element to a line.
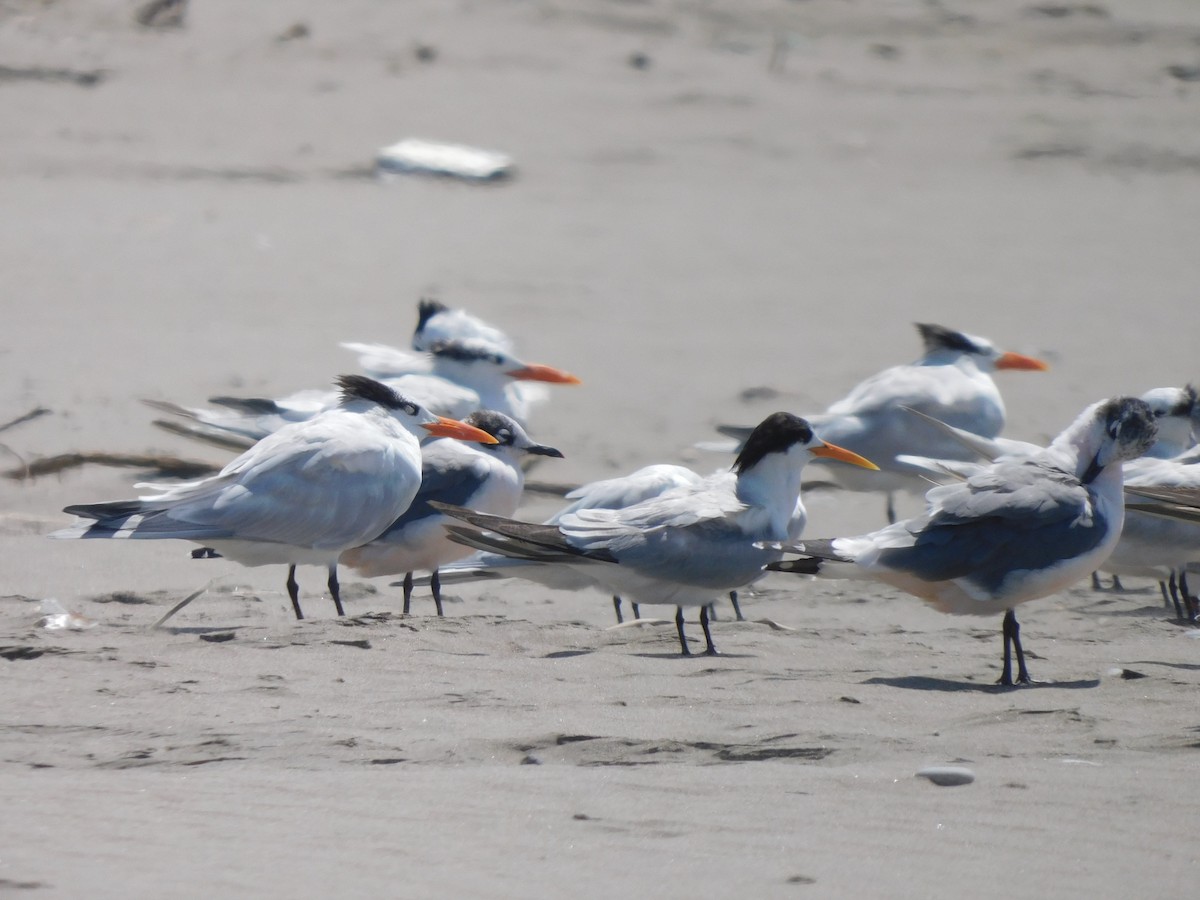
<point>951,382</point>
<point>454,378</point>
<point>300,496</point>
<point>685,548</point>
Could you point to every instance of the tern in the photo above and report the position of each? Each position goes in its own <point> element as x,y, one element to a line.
<point>686,547</point>
<point>485,477</point>
<point>1156,541</point>
<point>437,323</point>
<point>300,496</point>
<point>1016,531</point>
<point>952,382</point>
<point>1147,547</point>
<point>452,379</point>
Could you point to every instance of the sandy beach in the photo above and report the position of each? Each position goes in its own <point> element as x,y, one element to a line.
<point>719,210</point>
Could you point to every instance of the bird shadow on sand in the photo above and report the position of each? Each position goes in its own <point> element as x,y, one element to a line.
<point>693,657</point>
<point>1190,667</point>
<point>925,683</point>
<point>1140,612</point>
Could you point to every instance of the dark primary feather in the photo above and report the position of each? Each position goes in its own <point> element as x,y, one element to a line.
<point>256,406</point>
<point>490,542</point>
<point>113,509</point>
<point>805,565</point>
<point>113,516</point>
<point>822,548</point>
<point>547,537</point>
<point>1186,496</point>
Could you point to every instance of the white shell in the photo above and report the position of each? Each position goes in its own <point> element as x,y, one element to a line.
<point>418,156</point>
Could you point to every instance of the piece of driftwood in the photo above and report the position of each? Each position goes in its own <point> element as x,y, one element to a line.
<point>162,466</point>
<point>27,417</point>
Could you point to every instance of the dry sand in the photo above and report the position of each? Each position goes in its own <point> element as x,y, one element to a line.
<point>771,199</point>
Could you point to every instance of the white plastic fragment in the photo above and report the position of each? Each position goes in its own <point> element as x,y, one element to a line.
<point>56,617</point>
<point>947,776</point>
<point>415,156</point>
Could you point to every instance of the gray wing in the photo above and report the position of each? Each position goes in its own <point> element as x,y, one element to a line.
<point>445,480</point>
<point>522,540</point>
<point>1169,502</point>
<point>1013,517</point>
<point>320,484</point>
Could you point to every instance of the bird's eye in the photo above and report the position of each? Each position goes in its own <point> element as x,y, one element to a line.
<point>412,409</point>
<point>504,436</point>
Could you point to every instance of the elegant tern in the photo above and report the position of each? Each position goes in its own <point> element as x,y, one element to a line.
<point>485,477</point>
<point>300,496</point>
<point>452,379</point>
<point>437,323</point>
<point>951,382</point>
<point>686,547</point>
<point>1148,547</point>
<point>1016,531</point>
<point>1155,542</point>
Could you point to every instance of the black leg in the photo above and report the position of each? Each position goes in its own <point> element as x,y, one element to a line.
<point>435,585</point>
<point>679,627</point>
<point>617,607</point>
<point>294,591</point>
<point>334,591</point>
<point>1174,586</point>
<point>1190,601</point>
<point>709,647</point>
<point>1162,586</point>
<point>1012,639</point>
<point>1116,583</point>
<point>891,509</point>
<point>1096,585</point>
<point>736,609</point>
<point>637,612</point>
<point>711,609</point>
<point>408,589</point>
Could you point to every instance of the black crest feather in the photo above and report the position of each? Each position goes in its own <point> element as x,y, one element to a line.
<point>1187,405</point>
<point>774,434</point>
<point>427,308</point>
<point>937,337</point>
<point>360,387</point>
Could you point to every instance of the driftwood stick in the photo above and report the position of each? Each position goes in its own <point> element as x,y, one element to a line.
<point>164,466</point>
<point>29,416</point>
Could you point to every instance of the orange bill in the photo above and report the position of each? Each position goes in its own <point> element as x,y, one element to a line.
<point>453,428</point>
<point>833,451</point>
<point>549,374</point>
<point>1020,362</point>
